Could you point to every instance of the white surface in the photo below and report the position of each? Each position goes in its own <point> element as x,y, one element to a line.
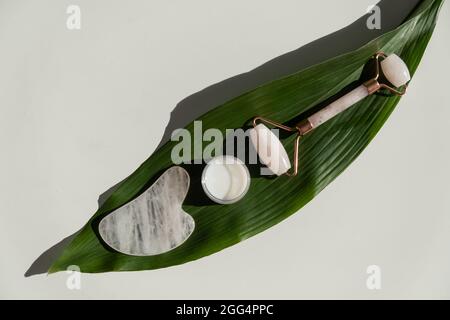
<point>338,106</point>
<point>270,149</point>
<point>395,70</point>
<point>225,179</point>
<point>80,110</point>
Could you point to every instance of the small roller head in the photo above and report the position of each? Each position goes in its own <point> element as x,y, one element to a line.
<point>395,70</point>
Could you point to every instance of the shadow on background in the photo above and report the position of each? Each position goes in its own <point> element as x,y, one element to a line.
<point>393,13</point>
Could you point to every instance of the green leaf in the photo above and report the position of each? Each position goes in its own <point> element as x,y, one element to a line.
<point>325,153</point>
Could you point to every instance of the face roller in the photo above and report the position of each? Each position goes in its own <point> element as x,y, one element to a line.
<point>392,69</point>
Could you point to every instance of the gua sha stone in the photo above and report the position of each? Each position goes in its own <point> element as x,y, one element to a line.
<point>154,222</point>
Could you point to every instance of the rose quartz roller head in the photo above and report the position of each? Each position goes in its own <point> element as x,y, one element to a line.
<point>270,149</point>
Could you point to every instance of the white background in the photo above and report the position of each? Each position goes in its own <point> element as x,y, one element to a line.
<point>80,110</point>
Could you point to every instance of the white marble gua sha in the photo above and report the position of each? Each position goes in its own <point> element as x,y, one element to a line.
<point>270,149</point>
<point>154,222</point>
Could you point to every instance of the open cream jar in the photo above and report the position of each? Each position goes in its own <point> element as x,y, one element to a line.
<point>225,179</point>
